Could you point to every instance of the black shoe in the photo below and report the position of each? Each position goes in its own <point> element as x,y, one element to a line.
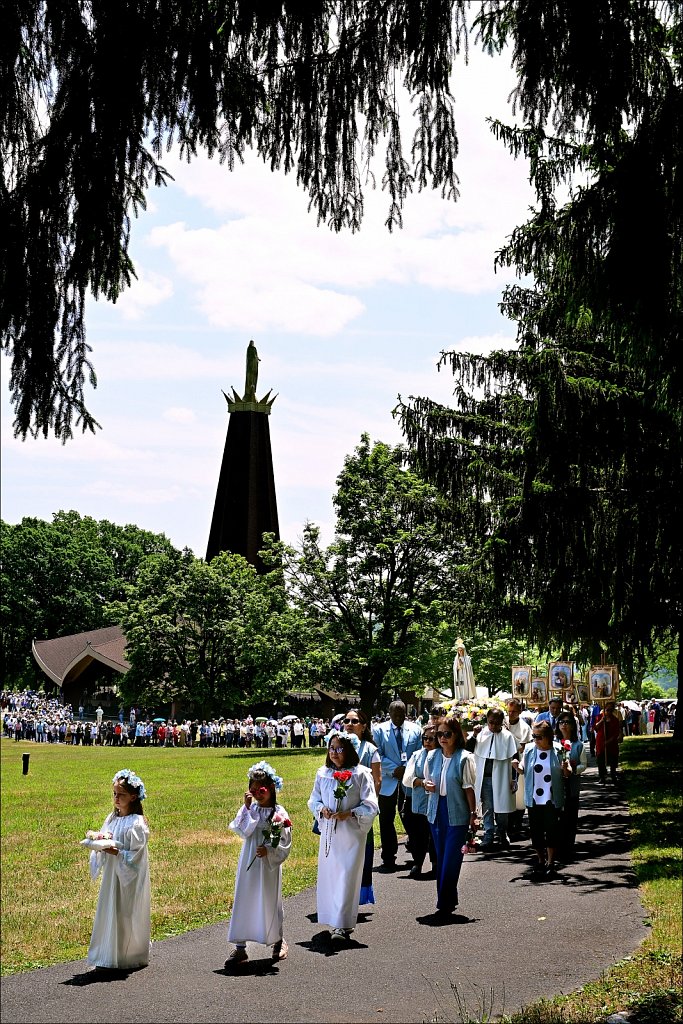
<point>550,872</point>
<point>538,870</point>
<point>388,865</point>
<point>431,875</point>
<point>486,848</point>
<point>415,872</point>
<point>504,843</point>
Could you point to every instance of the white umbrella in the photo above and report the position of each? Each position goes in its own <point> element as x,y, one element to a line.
<point>289,718</point>
<point>631,705</point>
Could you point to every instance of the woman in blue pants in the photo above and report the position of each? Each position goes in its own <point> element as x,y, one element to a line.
<point>449,783</point>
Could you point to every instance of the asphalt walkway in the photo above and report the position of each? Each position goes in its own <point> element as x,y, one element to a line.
<point>512,941</point>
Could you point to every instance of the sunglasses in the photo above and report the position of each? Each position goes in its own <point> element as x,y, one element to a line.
<point>351,721</point>
<point>429,739</point>
<point>336,750</point>
<point>446,734</point>
<point>565,721</point>
<point>537,736</point>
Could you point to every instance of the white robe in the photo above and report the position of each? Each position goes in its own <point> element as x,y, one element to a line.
<point>257,913</point>
<point>342,850</point>
<point>463,678</point>
<point>521,730</point>
<point>502,748</point>
<point>121,932</point>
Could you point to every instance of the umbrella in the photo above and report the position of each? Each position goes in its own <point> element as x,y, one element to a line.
<point>158,719</point>
<point>271,721</point>
<point>631,705</point>
<point>261,718</point>
<point>290,718</point>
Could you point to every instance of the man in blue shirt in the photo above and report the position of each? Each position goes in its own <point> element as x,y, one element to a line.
<point>552,714</point>
<point>396,740</point>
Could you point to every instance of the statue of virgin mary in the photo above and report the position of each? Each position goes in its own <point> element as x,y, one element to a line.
<point>463,677</point>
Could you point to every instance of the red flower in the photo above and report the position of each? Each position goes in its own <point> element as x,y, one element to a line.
<point>342,776</point>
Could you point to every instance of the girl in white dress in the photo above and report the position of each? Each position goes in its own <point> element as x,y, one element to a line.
<point>121,932</point>
<point>357,724</point>
<point>257,911</point>
<point>345,804</point>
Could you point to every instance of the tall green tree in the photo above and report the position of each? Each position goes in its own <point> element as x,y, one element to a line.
<point>381,586</point>
<point>213,636</point>
<point>312,88</point>
<point>568,450</point>
<point>58,577</point>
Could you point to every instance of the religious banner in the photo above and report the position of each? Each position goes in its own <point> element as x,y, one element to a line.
<point>521,681</point>
<point>539,692</point>
<point>582,692</point>
<point>560,677</point>
<point>601,682</point>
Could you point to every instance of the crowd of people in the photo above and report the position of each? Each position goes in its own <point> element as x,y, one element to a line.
<point>29,715</point>
<point>456,789</point>
<point>32,716</point>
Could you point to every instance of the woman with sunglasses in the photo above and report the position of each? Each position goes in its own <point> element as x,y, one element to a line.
<point>449,783</point>
<point>345,804</point>
<point>567,733</point>
<point>544,772</point>
<point>419,832</point>
<point>356,724</point>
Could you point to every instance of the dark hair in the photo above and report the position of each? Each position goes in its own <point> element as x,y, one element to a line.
<point>350,754</point>
<point>452,722</point>
<point>496,713</point>
<point>367,732</point>
<point>136,805</point>
<point>545,728</point>
<point>437,711</point>
<point>567,716</point>
<point>516,701</point>
<point>264,780</point>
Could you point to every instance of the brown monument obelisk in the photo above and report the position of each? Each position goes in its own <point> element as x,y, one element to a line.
<point>245,506</point>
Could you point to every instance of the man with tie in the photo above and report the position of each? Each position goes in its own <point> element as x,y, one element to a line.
<point>396,740</point>
<point>552,714</point>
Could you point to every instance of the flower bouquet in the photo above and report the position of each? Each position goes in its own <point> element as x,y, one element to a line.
<point>272,832</point>
<point>343,780</point>
<point>565,748</point>
<point>100,840</point>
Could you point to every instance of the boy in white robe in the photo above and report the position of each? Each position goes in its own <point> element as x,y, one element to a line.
<point>257,911</point>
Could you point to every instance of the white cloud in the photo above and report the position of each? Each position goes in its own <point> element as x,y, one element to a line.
<point>266,264</point>
<point>178,414</point>
<point>147,290</point>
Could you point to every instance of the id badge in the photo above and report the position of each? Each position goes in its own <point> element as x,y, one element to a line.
<point>404,757</point>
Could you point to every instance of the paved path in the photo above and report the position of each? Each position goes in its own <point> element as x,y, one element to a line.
<point>512,938</point>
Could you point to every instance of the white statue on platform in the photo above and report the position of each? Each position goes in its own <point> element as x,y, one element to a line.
<point>463,677</point>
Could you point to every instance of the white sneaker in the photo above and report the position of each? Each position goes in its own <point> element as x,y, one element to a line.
<point>338,935</point>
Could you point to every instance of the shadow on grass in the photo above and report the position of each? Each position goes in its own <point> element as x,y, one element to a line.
<point>266,752</point>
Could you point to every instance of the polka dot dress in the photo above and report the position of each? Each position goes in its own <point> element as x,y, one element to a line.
<point>542,778</point>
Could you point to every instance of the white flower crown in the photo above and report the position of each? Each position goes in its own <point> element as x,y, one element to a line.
<point>133,780</point>
<point>264,767</point>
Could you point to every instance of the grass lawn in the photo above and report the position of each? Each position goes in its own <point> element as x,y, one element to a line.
<point>48,901</point>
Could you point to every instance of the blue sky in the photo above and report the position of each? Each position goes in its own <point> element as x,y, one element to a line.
<point>343,324</point>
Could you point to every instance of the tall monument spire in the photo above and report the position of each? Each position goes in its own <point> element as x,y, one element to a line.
<point>246,505</point>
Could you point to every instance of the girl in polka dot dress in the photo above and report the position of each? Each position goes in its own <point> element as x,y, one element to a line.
<point>544,769</point>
